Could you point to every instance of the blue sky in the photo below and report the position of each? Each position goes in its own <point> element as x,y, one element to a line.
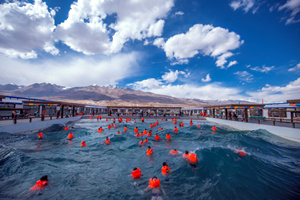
<point>211,50</point>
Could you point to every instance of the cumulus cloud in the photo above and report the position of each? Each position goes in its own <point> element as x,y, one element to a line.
<point>232,63</point>
<point>296,68</point>
<point>277,93</point>
<point>135,20</point>
<point>203,39</point>
<point>159,42</point>
<point>294,7</point>
<point>209,92</point>
<point>172,76</point>
<point>26,28</point>
<point>83,70</point>
<point>263,69</point>
<point>246,5</point>
<point>207,78</point>
<point>145,84</point>
<point>244,76</point>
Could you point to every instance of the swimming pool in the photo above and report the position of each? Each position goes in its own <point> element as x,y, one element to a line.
<point>270,169</point>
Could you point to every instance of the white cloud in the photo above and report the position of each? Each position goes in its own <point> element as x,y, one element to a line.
<point>159,42</point>
<point>263,69</point>
<point>232,63</point>
<point>246,5</point>
<point>145,84</point>
<point>244,76</point>
<point>207,78</point>
<point>222,59</point>
<point>172,76</point>
<point>209,92</point>
<point>277,93</point>
<point>179,13</point>
<point>203,39</point>
<point>294,7</point>
<point>76,71</point>
<point>296,68</point>
<point>86,30</point>
<point>25,28</point>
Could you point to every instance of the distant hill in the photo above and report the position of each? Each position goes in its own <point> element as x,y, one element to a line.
<point>102,95</point>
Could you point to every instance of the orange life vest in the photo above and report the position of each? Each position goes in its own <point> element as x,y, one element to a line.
<point>136,130</point>
<point>185,155</point>
<point>214,128</point>
<point>150,125</point>
<point>192,158</point>
<point>176,130</point>
<point>70,136</point>
<point>119,133</point>
<point>137,135</point>
<point>39,185</point>
<point>191,123</point>
<point>66,128</point>
<point>157,137</point>
<point>154,184</point>
<point>181,124</point>
<point>83,144</point>
<point>165,169</point>
<point>141,143</point>
<point>146,140</point>
<point>168,136</point>
<point>174,152</point>
<point>40,135</point>
<point>108,126</point>
<point>149,151</point>
<point>136,173</point>
<point>107,141</point>
<point>149,134</point>
<point>157,122</point>
<point>145,132</point>
<point>125,128</point>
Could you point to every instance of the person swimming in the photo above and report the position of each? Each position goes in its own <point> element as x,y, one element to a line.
<point>141,143</point>
<point>40,135</point>
<point>168,136</point>
<point>136,173</point>
<point>185,155</point>
<point>119,133</point>
<point>70,136</point>
<point>125,128</point>
<point>107,141</point>
<point>154,184</point>
<point>165,169</point>
<point>146,140</point>
<point>83,144</point>
<point>214,128</point>
<point>40,184</point>
<point>157,137</point>
<point>150,133</point>
<point>149,151</point>
<point>173,152</point>
<point>192,158</point>
<point>176,129</point>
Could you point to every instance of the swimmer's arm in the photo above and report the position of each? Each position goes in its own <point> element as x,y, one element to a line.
<point>163,190</point>
<point>146,190</point>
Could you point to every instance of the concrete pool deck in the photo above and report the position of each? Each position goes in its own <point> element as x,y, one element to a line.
<point>24,126</point>
<point>284,132</point>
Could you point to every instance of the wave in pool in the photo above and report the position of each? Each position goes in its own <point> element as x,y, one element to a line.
<point>270,169</point>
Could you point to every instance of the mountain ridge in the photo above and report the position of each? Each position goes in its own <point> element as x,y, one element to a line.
<point>103,95</point>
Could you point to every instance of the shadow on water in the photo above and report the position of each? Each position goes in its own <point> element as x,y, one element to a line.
<point>270,169</point>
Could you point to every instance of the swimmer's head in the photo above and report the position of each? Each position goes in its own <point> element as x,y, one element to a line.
<point>149,147</point>
<point>186,152</point>
<point>134,169</point>
<point>44,178</point>
<point>175,149</point>
<point>165,164</point>
<point>154,178</point>
<point>106,137</point>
